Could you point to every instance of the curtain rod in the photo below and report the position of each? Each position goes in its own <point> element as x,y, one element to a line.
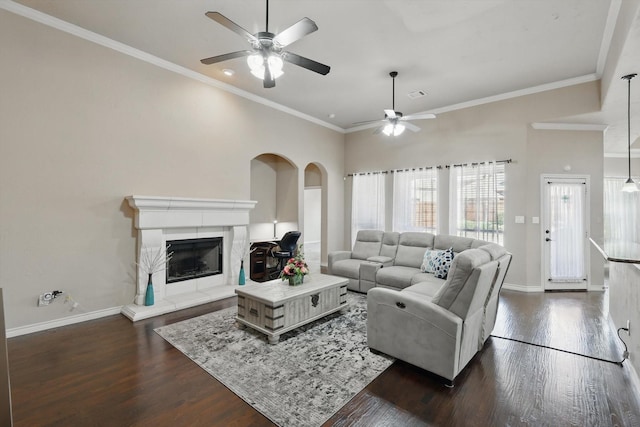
<point>427,167</point>
<point>396,170</point>
<point>479,163</point>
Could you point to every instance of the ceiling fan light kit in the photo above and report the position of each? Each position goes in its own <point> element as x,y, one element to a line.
<point>257,62</point>
<point>267,57</point>
<point>629,186</point>
<point>395,129</point>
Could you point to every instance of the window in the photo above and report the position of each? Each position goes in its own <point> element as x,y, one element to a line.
<point>367,203</point>
<point>415,196</point>
<point>621,211</point>
<point>477,201</point>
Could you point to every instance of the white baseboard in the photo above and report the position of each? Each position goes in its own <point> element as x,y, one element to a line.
<point>43,326</point>
<point>522,288</point>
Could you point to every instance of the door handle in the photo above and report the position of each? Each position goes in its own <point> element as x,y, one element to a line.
<point>547,239</point>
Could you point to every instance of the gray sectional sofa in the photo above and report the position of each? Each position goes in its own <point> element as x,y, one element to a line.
<point>393,260</point>
<point>438,324</point>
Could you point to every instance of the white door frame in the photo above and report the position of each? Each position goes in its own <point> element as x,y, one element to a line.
<point>543,224</point>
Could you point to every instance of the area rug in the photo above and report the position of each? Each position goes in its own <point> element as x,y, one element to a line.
<point>301,381</point>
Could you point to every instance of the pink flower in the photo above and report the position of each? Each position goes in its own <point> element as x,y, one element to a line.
<point>287,270</point>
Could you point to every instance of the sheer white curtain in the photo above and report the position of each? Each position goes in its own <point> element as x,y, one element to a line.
<point>367,203</point>
<point>621,212</point>
<point>415,196</point>
<point>476,201</point>
<point>567,231</point>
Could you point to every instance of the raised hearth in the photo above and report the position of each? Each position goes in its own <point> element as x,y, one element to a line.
<point>161,219</point>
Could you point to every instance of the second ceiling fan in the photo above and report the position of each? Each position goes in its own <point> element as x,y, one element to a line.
<point>396,123</point>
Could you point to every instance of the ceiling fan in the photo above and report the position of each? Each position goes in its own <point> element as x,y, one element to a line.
<point>395,121</point>
<point>267,54</point>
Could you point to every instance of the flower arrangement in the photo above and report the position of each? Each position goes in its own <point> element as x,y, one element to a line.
<point>295,269</point>
<point>152,262</point>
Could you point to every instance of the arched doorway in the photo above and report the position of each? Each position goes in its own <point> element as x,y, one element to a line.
<point>315,216</point>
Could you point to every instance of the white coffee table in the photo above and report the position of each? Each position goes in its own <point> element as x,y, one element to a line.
<point>274,307</point>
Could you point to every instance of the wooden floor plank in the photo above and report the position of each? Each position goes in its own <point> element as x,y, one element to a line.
<point>111,372</point>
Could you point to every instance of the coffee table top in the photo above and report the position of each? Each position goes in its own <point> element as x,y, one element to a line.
<point>279,291</point>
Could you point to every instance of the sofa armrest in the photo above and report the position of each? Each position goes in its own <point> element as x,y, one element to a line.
<point>336,256</point>
<point>413,329</point>
<point>384,260</point>
<point>422,309</point>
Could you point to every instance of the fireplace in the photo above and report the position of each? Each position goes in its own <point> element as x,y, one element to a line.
<point>194,258</point>
<point>202,274</point>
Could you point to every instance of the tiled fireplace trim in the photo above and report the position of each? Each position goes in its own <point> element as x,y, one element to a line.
<point>159,219</point>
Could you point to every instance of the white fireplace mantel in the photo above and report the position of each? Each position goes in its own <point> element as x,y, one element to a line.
<point>161,219</point>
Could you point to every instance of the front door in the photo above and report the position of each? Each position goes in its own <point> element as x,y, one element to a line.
<point>565,233</point>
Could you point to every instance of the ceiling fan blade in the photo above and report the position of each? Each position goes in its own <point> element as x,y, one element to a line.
<point>228,23</point>
<point>419,116</point>
<point>307,63</point>
<point>390,114</point>
<point>226,56</point>
<point>295,32</point>
<point>411,126</point>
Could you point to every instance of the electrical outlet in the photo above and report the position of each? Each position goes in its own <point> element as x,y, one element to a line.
<point>45,299</point>
<point>629,327</point>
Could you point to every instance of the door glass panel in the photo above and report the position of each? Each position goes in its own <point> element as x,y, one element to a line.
<point>567,232</point>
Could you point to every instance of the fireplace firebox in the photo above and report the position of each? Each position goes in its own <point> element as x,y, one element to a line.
<point>194,258</point>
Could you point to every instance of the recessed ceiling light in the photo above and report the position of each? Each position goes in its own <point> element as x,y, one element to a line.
<point>228,72</point>
<point>331,116</point>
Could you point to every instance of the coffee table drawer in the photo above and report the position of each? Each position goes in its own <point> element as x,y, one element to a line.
<point>309,306</point>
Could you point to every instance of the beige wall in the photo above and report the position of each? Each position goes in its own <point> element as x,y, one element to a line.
<point>82,126</point>
<point>619,167</point>
<point>497,131</point>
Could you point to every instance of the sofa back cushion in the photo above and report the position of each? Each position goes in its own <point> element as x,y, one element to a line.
<point>390,244</point>
<point>469,282</point>
<point>446,241</point>
<point>411,248</point>
<point>368,243</point>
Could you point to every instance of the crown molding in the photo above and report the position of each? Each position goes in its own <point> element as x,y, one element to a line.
<point>635,154</point>
<point>570,126</point>
<point>82,33</point>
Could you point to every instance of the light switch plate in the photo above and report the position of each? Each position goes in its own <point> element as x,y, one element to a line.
<point>519,219</point>
<point>535,219</point>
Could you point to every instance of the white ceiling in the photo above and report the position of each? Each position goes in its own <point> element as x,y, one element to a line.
<point>457,51</point>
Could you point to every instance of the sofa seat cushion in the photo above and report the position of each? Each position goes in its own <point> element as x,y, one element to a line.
<point>398,277</point>
<point>425,289</point>
<point>349,268</point>
<point>426,277</point>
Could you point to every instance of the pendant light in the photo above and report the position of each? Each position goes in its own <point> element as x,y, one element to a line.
<point>629,186</point>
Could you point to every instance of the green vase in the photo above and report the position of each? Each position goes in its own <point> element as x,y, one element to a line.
<point>148,296</point>
<point>242,279</point>
<point>298,279</point>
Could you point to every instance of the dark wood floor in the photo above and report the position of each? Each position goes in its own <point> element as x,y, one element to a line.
<point>111,372</point>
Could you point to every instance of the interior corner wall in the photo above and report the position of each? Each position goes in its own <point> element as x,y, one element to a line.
<point>552,152</point>
<point>494,131</point>
<point>82,127</point>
